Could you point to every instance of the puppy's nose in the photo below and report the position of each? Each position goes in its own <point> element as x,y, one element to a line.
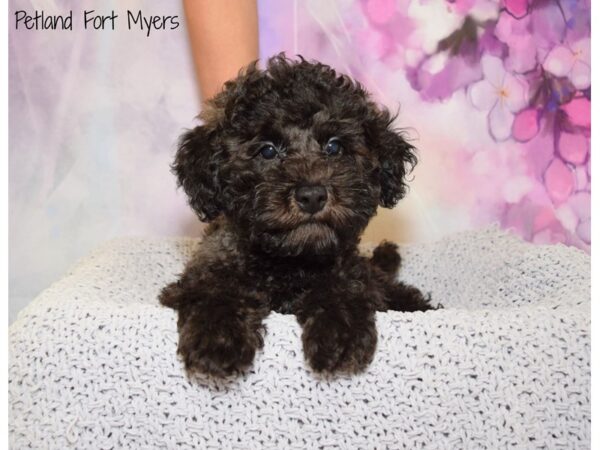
<point>311,199</point>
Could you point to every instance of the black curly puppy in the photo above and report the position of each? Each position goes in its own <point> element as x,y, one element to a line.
<point>289,166</point>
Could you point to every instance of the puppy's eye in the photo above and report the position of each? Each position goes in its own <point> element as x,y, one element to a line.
<point>333,147</point>
<point>268,151</point>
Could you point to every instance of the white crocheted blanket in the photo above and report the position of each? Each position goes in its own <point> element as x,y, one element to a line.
<point>506,363</point>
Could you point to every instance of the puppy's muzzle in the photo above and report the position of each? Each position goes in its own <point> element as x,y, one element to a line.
<point>311,199</point>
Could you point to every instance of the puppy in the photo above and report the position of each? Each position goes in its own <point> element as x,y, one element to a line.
<point>289,167</point>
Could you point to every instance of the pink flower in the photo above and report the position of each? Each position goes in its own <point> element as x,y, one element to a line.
<point>580,203</point>
<point>543,218</point>
<point>517,8</point>
<point>529,34</point>
<point>579,111</point>
<point>500,93</point>
<point>517,35</point>
<point>526,125</point>
<point>573,147</point>
<point>571,61</point>
<point>559,181</point>
<point>380,11</point>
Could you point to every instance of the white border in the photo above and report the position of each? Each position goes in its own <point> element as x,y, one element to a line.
<point>595,356</point>
<point>4,225</point>
<point>595,353</point>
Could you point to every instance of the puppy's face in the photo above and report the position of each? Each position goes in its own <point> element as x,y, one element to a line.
<point>297,157</point>
<point>306,187</point>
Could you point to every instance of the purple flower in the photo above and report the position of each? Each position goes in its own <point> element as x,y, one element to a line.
<point>517,8</point>
<point>571,61</point>
<point>516,34</point>
<point>500,93</point>
<point>456,62</point>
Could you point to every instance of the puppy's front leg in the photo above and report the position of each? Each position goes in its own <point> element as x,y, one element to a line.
<point>220,324</point>
<point>339,333</point>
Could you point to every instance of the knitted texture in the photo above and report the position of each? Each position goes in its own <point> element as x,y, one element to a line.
<point>506,362</point>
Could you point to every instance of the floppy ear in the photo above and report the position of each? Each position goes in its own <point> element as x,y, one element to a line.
<point>396,156</point>
<point>202,153</point>
<point>196,166</point>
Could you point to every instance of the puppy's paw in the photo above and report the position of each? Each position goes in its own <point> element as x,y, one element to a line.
<point>334,342</point>
<point>406,298</point>
<point>172,295</point>
<point>387,258</point>
<point>219,345</point>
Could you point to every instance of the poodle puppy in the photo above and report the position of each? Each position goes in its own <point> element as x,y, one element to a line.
<point>289,166</point>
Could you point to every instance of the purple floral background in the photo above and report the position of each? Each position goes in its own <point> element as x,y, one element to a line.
<point>497,92</point>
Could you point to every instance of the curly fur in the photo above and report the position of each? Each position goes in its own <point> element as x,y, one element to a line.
<point>262,251</point>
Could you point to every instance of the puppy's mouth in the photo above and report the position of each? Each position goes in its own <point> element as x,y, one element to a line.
<point>313,228</point>
<point>311,236</point>
<point>308,228</point>
<point>319,219</point>
<point>281,226</point>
